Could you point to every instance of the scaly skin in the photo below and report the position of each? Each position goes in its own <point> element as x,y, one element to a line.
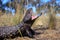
<point>24,27</point>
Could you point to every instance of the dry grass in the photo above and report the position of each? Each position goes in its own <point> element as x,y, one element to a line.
<point>44,20</point>
<point>57,22</point>
<point>10,20</point>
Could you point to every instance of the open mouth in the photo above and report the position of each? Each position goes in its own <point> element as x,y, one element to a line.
<point>34,17</point>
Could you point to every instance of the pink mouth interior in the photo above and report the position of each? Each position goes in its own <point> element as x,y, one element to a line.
<point>33,17</point>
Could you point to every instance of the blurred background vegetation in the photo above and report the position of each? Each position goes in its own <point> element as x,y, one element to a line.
<point>50,10</point>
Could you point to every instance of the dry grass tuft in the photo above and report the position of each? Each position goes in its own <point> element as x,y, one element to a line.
<point>44,21</point>
<point>9,20</point>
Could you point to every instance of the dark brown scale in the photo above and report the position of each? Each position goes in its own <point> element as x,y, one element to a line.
<point>24,27</point>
